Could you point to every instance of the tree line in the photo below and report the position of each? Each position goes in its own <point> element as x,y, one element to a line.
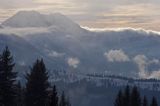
<point>132,97</point>
<point>37,91</point>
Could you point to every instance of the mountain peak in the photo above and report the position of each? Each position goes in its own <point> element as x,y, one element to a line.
<point>35,19</point>
<point>27,12</point>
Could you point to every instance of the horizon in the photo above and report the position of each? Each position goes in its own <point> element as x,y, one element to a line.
<point>95,29</point>
<point>98,14</point>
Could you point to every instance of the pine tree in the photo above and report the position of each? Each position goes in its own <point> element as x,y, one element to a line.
<point>68,102</point>
<point>154,102</point>
<point>135,97</point>
<point>126,97</point>
<point>20,95</point>
<point>145,102</point>
<point>119,99</point>
<point>7,79</point>
<point>63,101</point>
<point>54,97</point>
<point>37,85</point>
<point>1,81</point>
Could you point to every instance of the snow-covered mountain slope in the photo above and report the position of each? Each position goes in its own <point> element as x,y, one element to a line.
<point>25,19</point>
<point>104,80</point>
<point>65,45</point>
<point>35,19</point>
<point>102,90</point>
<point>101,87</point>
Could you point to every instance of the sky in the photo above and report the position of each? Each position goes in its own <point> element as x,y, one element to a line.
<point>93,13</point>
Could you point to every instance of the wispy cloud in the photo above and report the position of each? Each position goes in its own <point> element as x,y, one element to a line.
<point>143,62</point>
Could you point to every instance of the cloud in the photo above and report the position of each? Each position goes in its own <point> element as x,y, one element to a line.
<point>142,61</point>
<point>112,13</point>
<point>8,4</point>
<point>116,55</point>
<point>124,29</point>
<point>24,31</point>
<point>155,74</point>
<point>154,61</point>
<point>22,63</point>
<point>73,62</point>
<point>106,31</point>
<point>55,54</point>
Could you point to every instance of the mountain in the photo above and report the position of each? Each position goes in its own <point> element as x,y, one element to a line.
<point>25,19</point>
<point>90,65</point>
<point>1,26</point>
<point>101,89</point>
<point>65,45</point>
<point>36,19</point>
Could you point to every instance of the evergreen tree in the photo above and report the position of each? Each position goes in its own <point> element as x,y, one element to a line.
<point>63,101</point>
<point>7,79</point>
<point>68,102</point>
<point>145,102</point>
<point>37,85</point>
<point>135,97</point>
<point>126,97</point>
<point>154,102</point>
<point>1,81</point>
<point>119,99</point>
<point>54,97</point>
<point>20,95</point>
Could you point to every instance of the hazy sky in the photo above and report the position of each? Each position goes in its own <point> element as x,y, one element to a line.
<point>93,13</point>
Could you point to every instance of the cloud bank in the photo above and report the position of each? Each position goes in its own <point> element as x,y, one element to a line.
<point>124,29</point>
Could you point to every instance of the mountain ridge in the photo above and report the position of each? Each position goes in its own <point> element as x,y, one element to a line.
<point>36,19</point>
<point>125,52</point>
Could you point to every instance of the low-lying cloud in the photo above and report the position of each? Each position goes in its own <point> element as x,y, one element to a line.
<point>73,62</point>
<point>116,56</point>
<point>55,54</point>
<point>113,55</point>
<point>142,61</point>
